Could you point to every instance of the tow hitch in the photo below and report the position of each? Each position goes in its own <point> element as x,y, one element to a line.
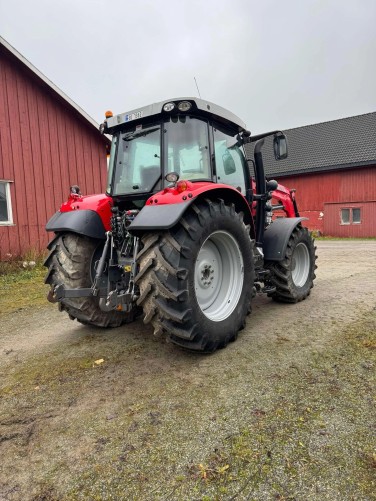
<point>119,292</point>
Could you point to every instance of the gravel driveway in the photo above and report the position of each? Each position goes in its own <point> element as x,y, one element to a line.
<point>285,412</point>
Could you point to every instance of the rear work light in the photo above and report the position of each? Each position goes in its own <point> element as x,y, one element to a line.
<point>168,106</point>
<point>184,106</point>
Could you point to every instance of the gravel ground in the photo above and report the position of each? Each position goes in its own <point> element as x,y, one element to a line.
<point>285,412</point>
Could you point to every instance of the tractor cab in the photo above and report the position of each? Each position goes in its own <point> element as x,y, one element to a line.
<point>196,140</point>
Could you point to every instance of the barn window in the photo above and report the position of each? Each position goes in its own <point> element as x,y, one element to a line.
<point>345,216</point>
<point>5,204</point>
<point>356,216</point>
<point>351,216</point>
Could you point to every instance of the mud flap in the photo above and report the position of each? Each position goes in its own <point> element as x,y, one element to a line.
<point>277,235</point>
<point>83,222</point>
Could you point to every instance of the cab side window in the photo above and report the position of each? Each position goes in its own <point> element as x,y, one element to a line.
<point>229,161</point>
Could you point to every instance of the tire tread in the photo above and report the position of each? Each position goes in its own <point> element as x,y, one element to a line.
<point>280,271</point>
<point>164,292</point>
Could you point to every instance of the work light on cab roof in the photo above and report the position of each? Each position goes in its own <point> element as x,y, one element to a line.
<point>169,107</point>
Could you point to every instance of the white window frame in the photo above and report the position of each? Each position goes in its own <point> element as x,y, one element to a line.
<point>351,219</point>
<point>360,215</point>
<point>9,222</point>
<point>341,216</point>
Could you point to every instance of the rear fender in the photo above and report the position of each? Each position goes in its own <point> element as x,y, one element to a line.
<point>164,209</point>
<point>277,235</point>
<point>83,222</point>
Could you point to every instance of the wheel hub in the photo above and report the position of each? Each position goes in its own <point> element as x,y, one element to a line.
<point>206,272</point>
<point>219,275</point>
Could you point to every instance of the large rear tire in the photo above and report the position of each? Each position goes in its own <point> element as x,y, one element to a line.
<point>196,280</point>
<point>293,276</point>
<point>71,262</point>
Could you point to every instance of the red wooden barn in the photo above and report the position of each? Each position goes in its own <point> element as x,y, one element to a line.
<point>332,166</point>
<point>47,144</point>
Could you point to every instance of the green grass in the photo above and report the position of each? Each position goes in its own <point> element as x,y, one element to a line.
<point>21,288</point>
<point>344,239</point>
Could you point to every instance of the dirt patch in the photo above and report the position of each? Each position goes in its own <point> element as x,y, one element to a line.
<point>286,412</point>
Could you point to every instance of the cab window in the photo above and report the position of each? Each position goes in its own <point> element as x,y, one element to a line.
<point>187,148</point>
<point>229,161</point>
<point>138,166</point>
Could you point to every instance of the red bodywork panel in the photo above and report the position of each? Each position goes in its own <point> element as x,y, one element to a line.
<point>281,195</point>
<point>178,194</point>
<point>183,191</point>
<point>284,196</point>
<point>101,204</point>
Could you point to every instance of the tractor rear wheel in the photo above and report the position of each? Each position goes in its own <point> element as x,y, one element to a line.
<point>293,276</point>
<point>196,280</point>
<point>71,262</point>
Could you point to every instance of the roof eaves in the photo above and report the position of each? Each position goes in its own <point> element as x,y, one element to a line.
<point>326,168</point>
<point>343,120</point>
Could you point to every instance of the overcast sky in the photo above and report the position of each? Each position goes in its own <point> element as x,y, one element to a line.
<point>274,64</point>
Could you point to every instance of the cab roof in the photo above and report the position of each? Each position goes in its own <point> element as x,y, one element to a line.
<point>200,107</point>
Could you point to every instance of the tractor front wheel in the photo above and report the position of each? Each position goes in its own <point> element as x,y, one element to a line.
<point>196,280</point>
<point>293,276</point>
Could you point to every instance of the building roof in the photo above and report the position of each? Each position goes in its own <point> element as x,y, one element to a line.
<point>338,144</point>
<point>11,52</point>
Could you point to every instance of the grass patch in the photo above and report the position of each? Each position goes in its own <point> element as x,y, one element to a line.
<point>15,264</point>
<point>22,288</point>
<point>345,239</point>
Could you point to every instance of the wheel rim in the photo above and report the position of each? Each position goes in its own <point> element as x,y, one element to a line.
<point>219,276</point>
<point>300,265</point>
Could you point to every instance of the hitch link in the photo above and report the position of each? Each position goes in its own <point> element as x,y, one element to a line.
<point>101,264</point>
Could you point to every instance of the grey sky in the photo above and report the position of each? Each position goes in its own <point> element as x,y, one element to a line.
<point>275,64</point>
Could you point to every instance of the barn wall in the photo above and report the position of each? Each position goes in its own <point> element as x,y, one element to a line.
<point>333,226</point>
<point>313,191</point>
<point>44,149</point>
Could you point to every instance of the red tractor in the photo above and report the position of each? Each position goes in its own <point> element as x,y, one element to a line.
<point>184,234</point>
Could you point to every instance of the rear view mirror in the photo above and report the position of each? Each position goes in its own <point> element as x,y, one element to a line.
<point>280,146</point>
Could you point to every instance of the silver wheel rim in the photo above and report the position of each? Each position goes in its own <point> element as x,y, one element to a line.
<point>300,265</point>
<point>219,276</point>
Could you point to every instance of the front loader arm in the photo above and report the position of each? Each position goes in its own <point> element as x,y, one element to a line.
<point>284,199</point>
